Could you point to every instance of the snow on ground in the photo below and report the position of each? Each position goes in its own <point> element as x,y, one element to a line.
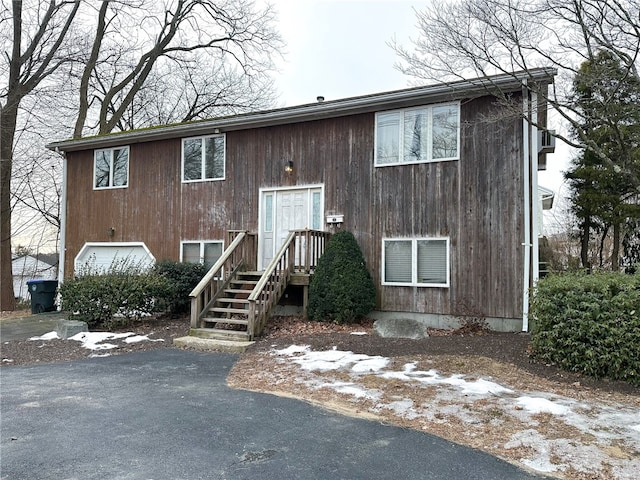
<point>559,433</point>
<point>95,340</point>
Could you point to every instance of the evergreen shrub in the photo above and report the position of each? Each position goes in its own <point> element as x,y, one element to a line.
<point>589,323</point>
<point>116,297</point>
<point>341,290</point>
<point>183,278</point>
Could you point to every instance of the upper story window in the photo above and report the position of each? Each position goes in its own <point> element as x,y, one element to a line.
<point>203,158</point>
<point>416,135</point>
<point>111,168</point>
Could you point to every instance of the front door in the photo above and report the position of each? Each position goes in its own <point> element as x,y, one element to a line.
<point>283,210</point>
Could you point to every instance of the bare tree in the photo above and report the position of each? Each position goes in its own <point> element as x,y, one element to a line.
<point>483,37</point>
<point>197,57</point>
<point>29,61</point>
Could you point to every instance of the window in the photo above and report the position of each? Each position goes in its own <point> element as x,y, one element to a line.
<point>416,135</point>
<point>422,262</point>
<point>207,253</point>
<point>203,158</point>
<point>111,168</point>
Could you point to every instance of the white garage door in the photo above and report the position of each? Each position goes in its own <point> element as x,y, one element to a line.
<point>99,257</point>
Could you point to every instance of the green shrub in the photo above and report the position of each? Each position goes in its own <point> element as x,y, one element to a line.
<point>341,289</point>
<point>183,277</point>
<point>589,324</point>
<point>120,295</point>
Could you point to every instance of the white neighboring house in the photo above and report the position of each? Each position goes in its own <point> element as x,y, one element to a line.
<point>27,268</point>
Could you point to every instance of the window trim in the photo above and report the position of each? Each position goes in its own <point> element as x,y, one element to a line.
<point>201,244</point>
<point>111,149</point>
<point>429,158</point>
<point>202,138</point>
<point>414,263</point>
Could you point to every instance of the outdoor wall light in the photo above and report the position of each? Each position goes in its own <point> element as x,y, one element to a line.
<point>111,232</point>
<point>288,167</point>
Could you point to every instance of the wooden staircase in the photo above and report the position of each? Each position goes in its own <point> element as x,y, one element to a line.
<point>228,316</point>
<point>232,303</point>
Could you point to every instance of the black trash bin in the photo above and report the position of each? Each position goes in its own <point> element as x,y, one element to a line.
<point>43,295</point>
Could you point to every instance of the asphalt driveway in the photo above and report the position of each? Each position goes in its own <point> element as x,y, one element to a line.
<point>168,414</point>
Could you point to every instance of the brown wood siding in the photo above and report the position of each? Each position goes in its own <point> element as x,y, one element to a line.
<point>476,201</point>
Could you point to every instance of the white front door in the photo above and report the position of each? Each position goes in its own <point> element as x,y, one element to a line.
<point>283,210</point>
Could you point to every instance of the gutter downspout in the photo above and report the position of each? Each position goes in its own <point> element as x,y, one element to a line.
<point>63,220</point>
<point>526,130</point>
<point>535,195</point>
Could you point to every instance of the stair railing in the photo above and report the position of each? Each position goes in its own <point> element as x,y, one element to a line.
<point>220,274</point>
<point>309,246</point>
<point>271,286</point>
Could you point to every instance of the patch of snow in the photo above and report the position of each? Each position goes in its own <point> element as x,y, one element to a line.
<point>403,408</point>
<point>542,405</point>
<point>359,333</point>
<point>635,427</point>
<point>372,364</point>
<point>541,460</point>
<point>47,336</point>
<point>349,388</point>
<point>142,338</point>
<point>293,349</point>
<point>93,340</point>
<point>7,360</point>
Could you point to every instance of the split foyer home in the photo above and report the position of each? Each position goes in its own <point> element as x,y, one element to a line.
<point>437,183</point>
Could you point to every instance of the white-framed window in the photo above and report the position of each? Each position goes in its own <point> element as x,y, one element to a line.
<point>111,168</point>
<point>420,262</point>
<point>206,252</point>
<point>203,158</point>
<point>417,135</point>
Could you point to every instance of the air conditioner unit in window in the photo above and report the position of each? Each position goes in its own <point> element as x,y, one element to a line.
<point>546,141</point>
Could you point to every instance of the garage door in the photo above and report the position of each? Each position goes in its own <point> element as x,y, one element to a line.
<point>99,257</point>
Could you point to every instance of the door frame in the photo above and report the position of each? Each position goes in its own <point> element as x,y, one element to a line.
<point>275,190</point>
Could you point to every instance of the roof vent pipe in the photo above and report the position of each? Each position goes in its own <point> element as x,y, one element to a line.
<point>320,98</point>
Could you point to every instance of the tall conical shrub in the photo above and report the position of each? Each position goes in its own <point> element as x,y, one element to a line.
<point>341,289</point>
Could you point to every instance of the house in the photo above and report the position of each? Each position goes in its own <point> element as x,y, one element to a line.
<point>30,267</point>
<point>437,183</point>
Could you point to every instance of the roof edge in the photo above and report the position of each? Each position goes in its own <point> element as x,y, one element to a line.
<point>315,111</point>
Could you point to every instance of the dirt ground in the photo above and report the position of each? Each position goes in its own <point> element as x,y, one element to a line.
<point>495,424</point>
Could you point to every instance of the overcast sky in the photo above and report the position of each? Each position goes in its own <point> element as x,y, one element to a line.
<point>339,49</point>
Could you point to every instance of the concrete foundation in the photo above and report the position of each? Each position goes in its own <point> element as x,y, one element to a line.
<point>445,322</point>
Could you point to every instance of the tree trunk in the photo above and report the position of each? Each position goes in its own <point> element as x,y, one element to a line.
<point>584,243</point>
<point>615,255</point>
<point>8,118</point>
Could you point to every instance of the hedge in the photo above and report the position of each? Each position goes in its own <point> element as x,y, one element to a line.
<point>589,323</point>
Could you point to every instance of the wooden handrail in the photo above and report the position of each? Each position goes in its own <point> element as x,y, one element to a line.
<point>272,266</point>
<point>217,266</point>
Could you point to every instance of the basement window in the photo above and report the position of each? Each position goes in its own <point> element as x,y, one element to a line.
<point>205,252</point>
<point>419,262</point>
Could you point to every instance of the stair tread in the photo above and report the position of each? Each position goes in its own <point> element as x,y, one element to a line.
<point>228,310</point>
<point>219,333</point>
<point>232,300</point>
<point>233,321</point>
<point>236,290</point>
